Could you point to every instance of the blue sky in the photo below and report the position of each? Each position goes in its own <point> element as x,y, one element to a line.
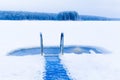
<point>108,8</point>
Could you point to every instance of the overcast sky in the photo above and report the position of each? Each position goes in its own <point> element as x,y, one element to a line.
<point>108,8</point>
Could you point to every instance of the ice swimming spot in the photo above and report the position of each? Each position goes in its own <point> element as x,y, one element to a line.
<point>54,69</point>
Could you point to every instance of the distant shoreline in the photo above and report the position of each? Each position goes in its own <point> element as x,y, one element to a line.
<point>61,16</point>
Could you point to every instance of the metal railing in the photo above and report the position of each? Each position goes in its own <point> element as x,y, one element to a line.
<point>41,44</point>
<point>61,44</point>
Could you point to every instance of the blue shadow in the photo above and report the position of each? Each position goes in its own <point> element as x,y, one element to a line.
<point>54,69</point>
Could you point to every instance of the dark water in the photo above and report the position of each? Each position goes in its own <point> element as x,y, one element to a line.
<point>56,50</point>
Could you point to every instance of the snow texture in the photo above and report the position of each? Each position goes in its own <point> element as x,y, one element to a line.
<point>21,68</point>
<point>92,66</point>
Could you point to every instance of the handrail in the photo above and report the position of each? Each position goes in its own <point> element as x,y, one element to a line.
<point>41,44</point>
<point>62,43</point>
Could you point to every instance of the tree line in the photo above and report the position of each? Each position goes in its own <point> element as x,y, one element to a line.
<point>65,15</point>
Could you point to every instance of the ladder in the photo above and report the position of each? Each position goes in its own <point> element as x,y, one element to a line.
<point>61,44</point>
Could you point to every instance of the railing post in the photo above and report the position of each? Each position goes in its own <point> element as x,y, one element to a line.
<point>41,44</point>
<point>62,43</point>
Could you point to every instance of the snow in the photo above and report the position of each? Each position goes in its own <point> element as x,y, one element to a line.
<point>96,66</point>
<point>21,68</point>
<point>15,35</point>
<point>25,34</point>
<point>92,66</point>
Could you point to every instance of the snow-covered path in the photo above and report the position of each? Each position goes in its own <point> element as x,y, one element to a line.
<point>21,67</point>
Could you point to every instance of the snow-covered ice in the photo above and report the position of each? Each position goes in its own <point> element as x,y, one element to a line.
<point>25,34</point>
<point>92,66</point>
<point>97,66</point>
<point>21,68</point>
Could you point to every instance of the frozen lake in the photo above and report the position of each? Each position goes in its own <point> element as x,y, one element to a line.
<point>23,37</point>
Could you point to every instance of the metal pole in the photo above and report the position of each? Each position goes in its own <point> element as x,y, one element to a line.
<point>41,44</point>
<point>62,43</point>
